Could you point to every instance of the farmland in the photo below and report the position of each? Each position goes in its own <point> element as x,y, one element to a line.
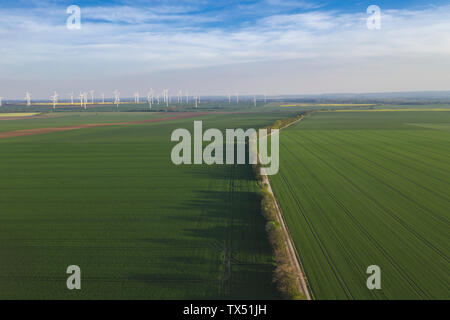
<point>62,119</point>
<point>14,115</point>
<point>355,188</point>
<point>369,188</point>
<point>110,200</point>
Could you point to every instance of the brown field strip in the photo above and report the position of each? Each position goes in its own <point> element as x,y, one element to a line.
<point>30,132</point>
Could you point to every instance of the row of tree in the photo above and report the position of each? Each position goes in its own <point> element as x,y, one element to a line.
<point>284,274</point>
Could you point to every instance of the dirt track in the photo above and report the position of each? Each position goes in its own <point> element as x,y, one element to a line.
<point>293,255</point>
<point>30,132</point>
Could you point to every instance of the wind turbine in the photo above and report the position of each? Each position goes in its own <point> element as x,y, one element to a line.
<point>81,96</point>
<point>92,96</point>
<point>187,97</point>
<point>136,97</point>
<point>85,100</point>
<point>28,98</point>
<point>54,99</point>
<point>116,98</point>
<point>149,99</point>
<point>196,102</point>
<point>71,97</point>
<point>166,96</point>
<point>103,98</point>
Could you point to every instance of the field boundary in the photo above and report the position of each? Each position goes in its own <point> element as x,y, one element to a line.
<point>294,257</point>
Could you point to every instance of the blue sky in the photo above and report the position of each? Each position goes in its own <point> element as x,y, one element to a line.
<point>216,47</point>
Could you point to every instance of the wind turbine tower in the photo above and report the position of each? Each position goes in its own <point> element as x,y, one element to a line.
<point>28,98</point>
<point>92,96</point>
<point>136,97</point>
<point>237,98</point>
<point>54,99</point>
<point>116,98</point>
<point>1,98</point>
<point>149,99</point>
<point>81,96</point>
<point>85,94</point>
<point>166,97</point>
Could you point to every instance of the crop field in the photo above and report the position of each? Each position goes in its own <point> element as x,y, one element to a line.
<point>311,105</point>
<point>128,107</point>
<point>62,119</point>
<point>396,110</point>
<point>360,189</point>
<point>14,115</point>
<point>110,200</point>
<point>356,189</point>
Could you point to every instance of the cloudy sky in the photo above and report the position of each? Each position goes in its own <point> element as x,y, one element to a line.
<point>220,47</point>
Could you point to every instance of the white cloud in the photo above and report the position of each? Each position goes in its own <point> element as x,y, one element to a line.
<point>129,40</point>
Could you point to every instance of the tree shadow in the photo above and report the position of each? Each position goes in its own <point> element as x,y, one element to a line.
<point>218,225</point>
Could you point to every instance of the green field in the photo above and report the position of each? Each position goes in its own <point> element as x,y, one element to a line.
<point>356,189</point>
<point>132,107</point>
<point>110,200</point>
<point>369,188</point>
<point>62,119</point>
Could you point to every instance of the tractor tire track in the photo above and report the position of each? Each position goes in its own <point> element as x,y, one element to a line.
<point>442,219</point>
<point>363,230</point>
<point>392,151</point>
<point>225,289</point>
<point>385,209</point>
<point>322,247</point>
<point>371,238</point>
